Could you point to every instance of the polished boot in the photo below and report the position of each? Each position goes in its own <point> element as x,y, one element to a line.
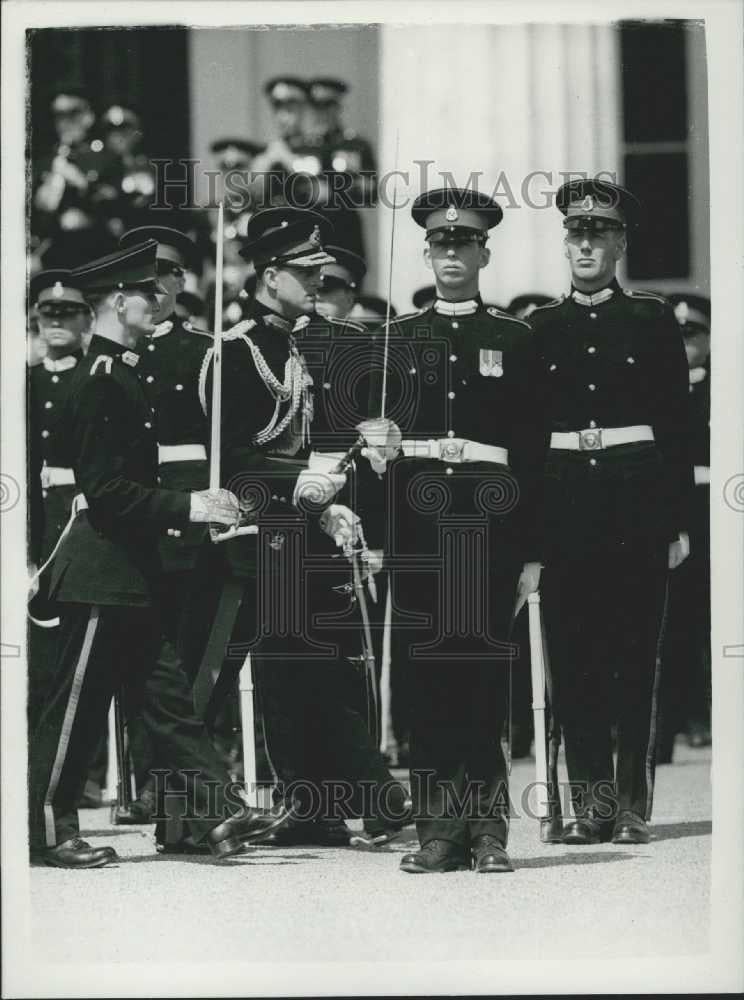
<point>630,829</point>
<point>76,853</point>
<point>436,856</point>
<point>489,856</point>
<point>247,825</point>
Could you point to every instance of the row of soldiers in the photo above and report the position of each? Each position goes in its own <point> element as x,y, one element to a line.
<point>496,456</point>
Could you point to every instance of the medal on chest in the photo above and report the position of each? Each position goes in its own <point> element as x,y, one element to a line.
<point>491,363</point>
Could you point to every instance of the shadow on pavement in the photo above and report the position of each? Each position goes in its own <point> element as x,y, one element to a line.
<point>574,858</point>
<point>673,831</point>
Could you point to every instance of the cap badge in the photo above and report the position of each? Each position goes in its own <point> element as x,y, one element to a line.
<point>284,223</point>
<point>58,291</point>
<point>682,312</point>
<point>588,203</point>
<point>451,215</point>
<point>315,237</point>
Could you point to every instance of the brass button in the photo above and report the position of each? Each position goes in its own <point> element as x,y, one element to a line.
<point>450,434</point>
<point>148,425</point>
<point>592,315</point>
<point>449,470</point>
<point>592,387</point>
<point>455,325</point>
<point>591,350</point>
<point>450,395</point>
<point>150,378</point>
<point>55,378</point>
<point>48,405</point>
<point>45,434</point>
<point>453,357</point>
<point>150,347</point>
<point>631,361</point>
<point>179,387</point>
<point>592,461</point>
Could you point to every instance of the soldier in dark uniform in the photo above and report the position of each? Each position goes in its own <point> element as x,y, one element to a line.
<point>685,679</point>
<point>340,284</point>
<point>289,166</point>
<point>460,540</point>
<point>618,487</point>
<point>134,179</point>
<point>313,736</point>
<point>103,580</point>
<point>64,319</point>
<point>72,194</point>
<point>170,361</point>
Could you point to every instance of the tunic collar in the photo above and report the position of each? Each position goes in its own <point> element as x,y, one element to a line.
<point>60,364</point>
<point>466,308</point>
<point>595,298</point>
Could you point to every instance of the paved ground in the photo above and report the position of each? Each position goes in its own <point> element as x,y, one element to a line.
<point>319,904</point>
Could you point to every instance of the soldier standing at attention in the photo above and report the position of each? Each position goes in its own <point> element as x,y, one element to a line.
<point>64,321</point>
<point>617,496</point>
<point>103,579</point>
<point>460,535</point>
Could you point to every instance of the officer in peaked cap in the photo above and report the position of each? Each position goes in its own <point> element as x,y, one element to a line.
<point>312,732</point>
<point>340,283</point>
<point>103,579</point>
<point>170,362</point>
<point>460,386</point>
<point>685,657</point>
<point>235,154</point>
<point>64,322</point>
<point>288,151</point>
<point>617,497</point>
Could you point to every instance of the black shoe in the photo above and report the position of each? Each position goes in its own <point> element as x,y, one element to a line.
<point>185,846</point>
<point>76,853</point>
<point>249,824</point>
<point>630,829</point>
<point>436,856</point>
<point>582,832</point>
<point>309,833</point>
<point>489,855</point>
<point>138,813</point>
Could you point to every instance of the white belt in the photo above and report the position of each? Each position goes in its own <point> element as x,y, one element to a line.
<point>54,475</point>
<point>181,453</point>
<point>455,450</point>
<point>596,438</point>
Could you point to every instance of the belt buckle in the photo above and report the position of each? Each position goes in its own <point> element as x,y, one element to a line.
<point>591,439</point>
<point>451,451</point>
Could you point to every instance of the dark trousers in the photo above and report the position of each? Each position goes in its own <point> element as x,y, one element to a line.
<point>99,650</point>
<point>457,660</point>
<point>299,632</point>
<point>604,612</point>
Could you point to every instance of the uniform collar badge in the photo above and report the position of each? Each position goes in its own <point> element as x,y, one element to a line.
<point>466,308</point>
<point>451,215</point>
<point>592,300</point>
<point>130,358</point>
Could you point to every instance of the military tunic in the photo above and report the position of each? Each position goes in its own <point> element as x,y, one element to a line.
<point>49,385</point>
<point>312,733</point>
<point>612,359</point>
<point>456,534</point>
<point>103,579</point>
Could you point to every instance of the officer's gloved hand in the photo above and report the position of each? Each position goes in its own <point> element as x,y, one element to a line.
<point>343,525</point>
<point>382,441</point>
<point>215,507</point>
<point>679,550</point>
<point>529,582</point>
<point>317,485</point>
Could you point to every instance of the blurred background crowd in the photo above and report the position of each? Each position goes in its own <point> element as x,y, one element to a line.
<point>133,127</point>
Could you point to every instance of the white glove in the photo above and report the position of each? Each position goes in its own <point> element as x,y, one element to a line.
<point>342,524</point>
<point>215,507</point>
<point>529,582</point>
<point>318,484</point>
<point>679,550</point>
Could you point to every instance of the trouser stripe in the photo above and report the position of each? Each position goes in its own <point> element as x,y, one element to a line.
<point>67,724</point>
<point>651,747</point>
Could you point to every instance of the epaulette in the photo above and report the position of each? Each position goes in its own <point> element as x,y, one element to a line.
<point>550,305</point>
<point>239,330</point>
<point>638,293</point>
<point>500,314</point>
<point>162,329</point>
<point>107,364</point>
<point>410,315</point>
<point>190,328</point>
<point>346,324</point>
